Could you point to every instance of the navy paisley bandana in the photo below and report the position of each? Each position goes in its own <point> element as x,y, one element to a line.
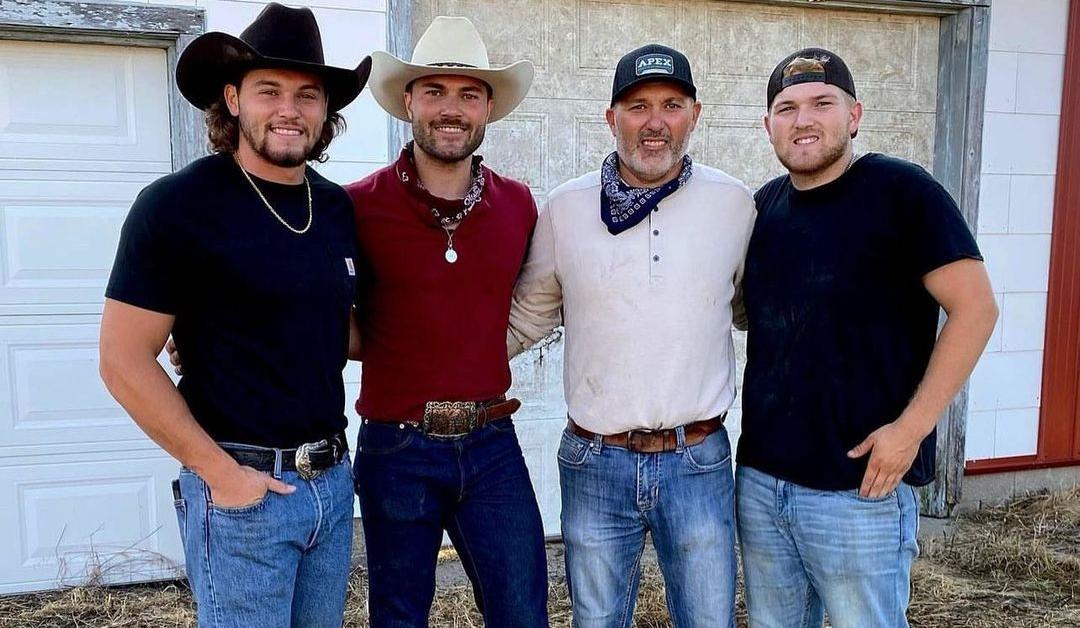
<point>623,206</point>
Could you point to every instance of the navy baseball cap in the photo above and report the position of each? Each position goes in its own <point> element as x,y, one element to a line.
<point>652,62</point>
<point>810,65</point>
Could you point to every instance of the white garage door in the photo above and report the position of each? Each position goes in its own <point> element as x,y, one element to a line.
<point>84,494</point>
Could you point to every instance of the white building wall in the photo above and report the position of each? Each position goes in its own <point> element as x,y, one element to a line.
<point>1020,141</point>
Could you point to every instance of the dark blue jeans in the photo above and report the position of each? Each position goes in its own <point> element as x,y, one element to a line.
<point>477,489</point>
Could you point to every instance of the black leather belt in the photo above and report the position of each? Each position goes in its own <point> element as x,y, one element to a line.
<point>309,459</point>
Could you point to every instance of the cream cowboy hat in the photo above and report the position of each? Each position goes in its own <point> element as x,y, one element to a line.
<point>451,45</point>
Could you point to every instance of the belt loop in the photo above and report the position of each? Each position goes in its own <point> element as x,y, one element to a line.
<point>680,439</point>
<point>277,464</point>
<point>597,443</point>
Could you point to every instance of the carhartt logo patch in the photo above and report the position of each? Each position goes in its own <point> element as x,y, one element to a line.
<point>350,267</point>
<point>654,64</point>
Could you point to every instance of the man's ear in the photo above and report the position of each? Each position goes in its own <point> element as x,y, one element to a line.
<point>232,99</point>
<point>697,113</point>
<point>855,119</point>
<point>408,104</point>
<point>610,116</point>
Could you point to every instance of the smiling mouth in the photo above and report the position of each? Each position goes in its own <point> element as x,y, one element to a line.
<point>286,131</point>
<point>450,130</point>
<point>803,141</point>
<point>654,143</point>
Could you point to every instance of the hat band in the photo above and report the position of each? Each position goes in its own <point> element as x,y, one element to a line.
<point>451,64</point>
<point>804,77</point>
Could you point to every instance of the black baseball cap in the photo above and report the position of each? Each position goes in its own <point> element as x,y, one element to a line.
<point>652,62</point>
<point>821,66</point>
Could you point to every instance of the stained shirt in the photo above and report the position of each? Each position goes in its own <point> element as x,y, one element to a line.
<point>648,312</point>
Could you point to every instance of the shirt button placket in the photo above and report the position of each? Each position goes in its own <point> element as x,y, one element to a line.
<point>656,255</point>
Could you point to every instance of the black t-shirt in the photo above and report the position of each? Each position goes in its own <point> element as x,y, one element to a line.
<point>840,325</point>
<point>261,312</point>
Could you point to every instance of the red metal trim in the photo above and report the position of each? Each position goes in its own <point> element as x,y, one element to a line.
<point>1014,463</point>
<point>1059,424</point>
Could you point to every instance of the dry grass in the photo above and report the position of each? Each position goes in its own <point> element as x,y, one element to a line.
<point>1014,566</point>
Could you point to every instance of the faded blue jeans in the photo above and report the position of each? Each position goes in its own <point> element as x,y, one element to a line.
<point>807,552</point>
<point>685,499</point>
<point>413,487</point>
<point>280,563</point>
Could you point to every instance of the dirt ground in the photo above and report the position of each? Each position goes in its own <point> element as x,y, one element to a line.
<point>1013,566</point>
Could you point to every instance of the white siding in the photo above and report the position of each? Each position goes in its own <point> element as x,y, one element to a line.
<point>1020,137</point>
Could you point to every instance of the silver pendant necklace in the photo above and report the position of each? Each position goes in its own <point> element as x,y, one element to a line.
<point>450,254</point>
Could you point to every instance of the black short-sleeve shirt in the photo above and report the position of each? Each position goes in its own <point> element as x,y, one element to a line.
<point>261,312</point>
<point>841,326</point>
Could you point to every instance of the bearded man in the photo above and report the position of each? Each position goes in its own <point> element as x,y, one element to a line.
<point>852,259</point>
<point>641,260</point>
<point>247,256</point>
<point>442,239</point>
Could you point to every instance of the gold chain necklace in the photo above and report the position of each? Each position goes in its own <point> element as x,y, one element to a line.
<point>310,214</point>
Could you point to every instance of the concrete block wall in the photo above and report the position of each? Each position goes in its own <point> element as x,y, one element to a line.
<point>1020,137</point>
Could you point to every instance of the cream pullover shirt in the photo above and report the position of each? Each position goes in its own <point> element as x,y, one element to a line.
<point>648,312</point>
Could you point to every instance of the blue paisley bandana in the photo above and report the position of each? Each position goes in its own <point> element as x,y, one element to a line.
<point>623,206</point>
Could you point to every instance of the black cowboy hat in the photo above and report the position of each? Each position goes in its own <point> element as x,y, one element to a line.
<point>279,37</point>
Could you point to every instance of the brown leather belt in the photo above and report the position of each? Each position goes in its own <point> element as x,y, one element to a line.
<point>654,441</point>
<point>454,419</point>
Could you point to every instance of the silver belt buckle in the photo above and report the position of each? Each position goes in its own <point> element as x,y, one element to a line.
<point>303,459</point>
<point>449,419</point>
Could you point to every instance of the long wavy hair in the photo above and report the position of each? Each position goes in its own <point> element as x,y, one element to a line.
<point>223,131</point>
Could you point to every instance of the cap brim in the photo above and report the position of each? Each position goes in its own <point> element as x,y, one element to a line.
<point>691,90</point>
<point>390,76</point>
<point>214,59</point>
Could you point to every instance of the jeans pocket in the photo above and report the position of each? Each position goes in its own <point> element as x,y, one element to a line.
<point>710,454</point>
<point>241,510</point>
<point>504,425</point>
<point>573,450</point>
<point>383,438</point>
<point>854,494</point>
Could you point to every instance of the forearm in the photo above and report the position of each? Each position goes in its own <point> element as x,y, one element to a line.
<point>530,327</point>
<point>955,353</point>
<point>145,391</point>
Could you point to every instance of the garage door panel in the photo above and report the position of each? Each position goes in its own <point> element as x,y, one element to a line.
<point>59,239</point>
<point>106,102</point>
<point>57,397</point>
<point>740,39</point>
<point>82,521</point>
<point>518,143</point>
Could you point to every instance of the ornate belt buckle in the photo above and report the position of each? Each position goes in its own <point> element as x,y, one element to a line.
<point>303,459</point>
<point>449,419</point>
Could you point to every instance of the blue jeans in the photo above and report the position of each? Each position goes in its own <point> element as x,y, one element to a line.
<point>477,489</point>
<point>685,499</point>
<point>282,562</point>
<point>807,552</point>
